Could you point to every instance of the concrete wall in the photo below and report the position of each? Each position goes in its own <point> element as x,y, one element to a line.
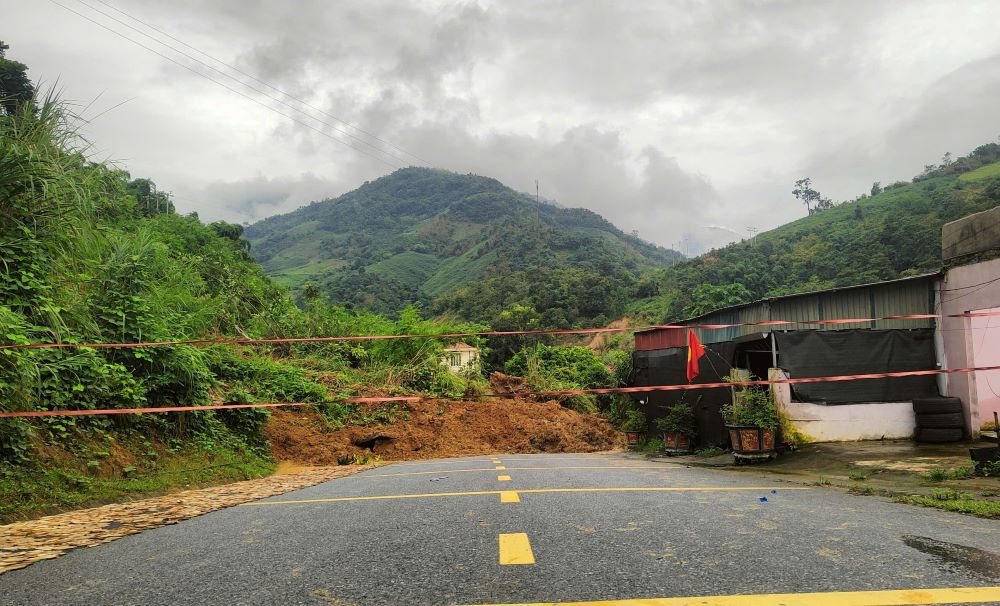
<point>970,235</point>
<point>844,422</point>
<point>964,289</point>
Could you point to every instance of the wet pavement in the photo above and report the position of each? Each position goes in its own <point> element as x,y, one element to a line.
<point>562,528</point>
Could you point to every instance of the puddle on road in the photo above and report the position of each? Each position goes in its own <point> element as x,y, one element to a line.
<point>958,558</point>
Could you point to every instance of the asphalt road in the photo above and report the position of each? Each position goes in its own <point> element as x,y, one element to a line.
<point>698,532</point>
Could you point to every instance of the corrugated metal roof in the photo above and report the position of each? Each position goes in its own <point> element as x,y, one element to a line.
<point>912,295</point>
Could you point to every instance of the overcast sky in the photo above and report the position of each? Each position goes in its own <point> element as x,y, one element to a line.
<point>678,119</point>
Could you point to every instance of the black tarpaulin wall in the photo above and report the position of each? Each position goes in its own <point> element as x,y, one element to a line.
<point>669,367</point>
<point>820,353</point>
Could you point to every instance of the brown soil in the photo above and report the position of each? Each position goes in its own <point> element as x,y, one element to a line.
<point>442,428</point>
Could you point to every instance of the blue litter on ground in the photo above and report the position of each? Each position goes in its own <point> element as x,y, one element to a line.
<point>763,499</point>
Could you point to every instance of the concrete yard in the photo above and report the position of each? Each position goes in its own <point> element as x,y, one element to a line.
<point>538,529</point>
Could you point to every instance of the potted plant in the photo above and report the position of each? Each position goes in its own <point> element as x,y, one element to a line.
<point>678,427</point>
<point>634,426</point>
<point>751,419</point>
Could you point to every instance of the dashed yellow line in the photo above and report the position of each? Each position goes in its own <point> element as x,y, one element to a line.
<point>515,549</point>
<point>503,478</point>
<point>509,496</point>
<point>485,458</point>
<point>440,471</point>
<point>500,468</point>
<point>531,490</point>
<point>895,597</point>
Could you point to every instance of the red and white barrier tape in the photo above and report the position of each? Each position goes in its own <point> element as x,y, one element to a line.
<point>491,333</point>
<point>568,392</point>
<point>128,411</point>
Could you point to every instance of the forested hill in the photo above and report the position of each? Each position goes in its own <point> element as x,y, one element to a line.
<point>889,233</point>
<point>424,235</point>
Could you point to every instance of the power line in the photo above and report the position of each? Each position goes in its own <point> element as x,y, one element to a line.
<point>242,83</point>
<point>225,86</point>
<point>267,84</point>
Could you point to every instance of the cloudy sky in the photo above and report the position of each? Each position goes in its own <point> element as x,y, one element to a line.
<point>683,120</point>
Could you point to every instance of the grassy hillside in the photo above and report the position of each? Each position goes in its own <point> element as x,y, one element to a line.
<point>894,233</point>
<point>90,254</point>
<point>421,235</point>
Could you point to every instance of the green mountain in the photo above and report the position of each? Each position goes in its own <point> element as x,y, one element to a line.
<point>892,232</point>
<point>425,236</point>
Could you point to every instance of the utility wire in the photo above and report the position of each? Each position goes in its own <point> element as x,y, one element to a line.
<point>270,86</point>
<point>378,149</point>
<point>227,87</point>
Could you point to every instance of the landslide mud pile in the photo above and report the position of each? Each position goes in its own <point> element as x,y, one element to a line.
<point>441,428</point>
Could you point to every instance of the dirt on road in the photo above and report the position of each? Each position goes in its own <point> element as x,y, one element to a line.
<point>441,428</point>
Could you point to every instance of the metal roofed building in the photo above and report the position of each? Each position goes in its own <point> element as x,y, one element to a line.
<point>864,409</point>
<point>965,293</point>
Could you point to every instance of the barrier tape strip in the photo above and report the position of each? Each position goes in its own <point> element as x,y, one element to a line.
<point>491,333</point>
<point>128,411</point>
<point>567,392</point>
<point>830,379</point>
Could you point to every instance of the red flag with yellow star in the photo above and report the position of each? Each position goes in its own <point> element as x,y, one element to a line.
<point>695,351</point>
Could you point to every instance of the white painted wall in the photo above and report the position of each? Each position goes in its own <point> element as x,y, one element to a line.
<point>459,360</point>
<point>844,422</point>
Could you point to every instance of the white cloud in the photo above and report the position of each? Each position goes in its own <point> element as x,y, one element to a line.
<point>664,117</point>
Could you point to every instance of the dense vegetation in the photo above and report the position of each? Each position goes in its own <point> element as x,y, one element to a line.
<point>894,233</point>
<point>468,244</point>
<point>90,254</point>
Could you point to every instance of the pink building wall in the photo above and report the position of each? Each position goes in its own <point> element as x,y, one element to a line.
<point>970,342</point>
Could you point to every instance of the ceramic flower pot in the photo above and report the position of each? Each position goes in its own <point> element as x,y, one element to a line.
<point>750,440</point>
<point>632,438</point>
<point>676,441</point>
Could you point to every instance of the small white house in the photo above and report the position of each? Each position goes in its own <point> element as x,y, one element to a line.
<point>460,357</point>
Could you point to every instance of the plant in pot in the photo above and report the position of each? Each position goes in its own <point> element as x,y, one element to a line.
<point>751,419</point>
<point>678,427</point>
<point>634,426</point>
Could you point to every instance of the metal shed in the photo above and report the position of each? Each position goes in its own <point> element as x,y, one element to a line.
<point>912,295</point>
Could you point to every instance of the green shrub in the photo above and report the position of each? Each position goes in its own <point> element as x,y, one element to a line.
<point>634,420</point>
<point>246,422</point>
<point>549,365</point>
<point>265,379</point>
<point>750,406</point>
<point>679,418</point>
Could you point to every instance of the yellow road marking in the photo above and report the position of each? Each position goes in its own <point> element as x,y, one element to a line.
<point>500,467</point>
<point>439,471</point>
<point>503,478</point>
<point>533,490</point>
<point>896,597</point>
<point>473,459</point>
<point>515,549</point>
<point>509,496</point>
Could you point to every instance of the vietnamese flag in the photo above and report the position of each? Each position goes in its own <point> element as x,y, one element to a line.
<point>695,351</point>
